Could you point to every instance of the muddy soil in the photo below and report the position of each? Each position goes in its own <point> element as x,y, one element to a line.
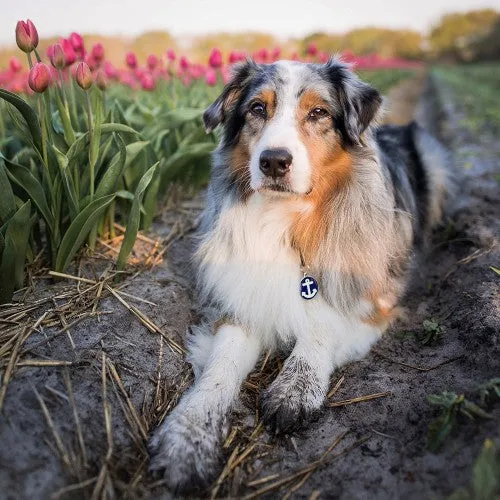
<point>384,453</point>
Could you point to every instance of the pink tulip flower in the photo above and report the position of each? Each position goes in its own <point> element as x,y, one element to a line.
<point>211,77</point>
<point>215,59</point>
<point>26,36</point>
<point>152,62</point>
<point>83,76</point>
<point>14,65</point>
<point>131,60</point>
<point>39,77</point>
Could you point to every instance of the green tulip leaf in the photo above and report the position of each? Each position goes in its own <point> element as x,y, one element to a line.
<point>79,229</point>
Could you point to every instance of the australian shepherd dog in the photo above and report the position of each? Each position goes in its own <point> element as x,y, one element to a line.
<point>313,221</point>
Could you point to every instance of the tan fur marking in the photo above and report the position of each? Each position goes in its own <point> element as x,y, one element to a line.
<point>239,165</point>
<point>268,97</point>
<point>331,169</point>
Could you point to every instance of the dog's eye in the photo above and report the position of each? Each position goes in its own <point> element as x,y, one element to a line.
<point>317,113</point>
<point>258,109</point>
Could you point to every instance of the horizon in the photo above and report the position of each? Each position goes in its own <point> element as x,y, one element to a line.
<point>54,19</point>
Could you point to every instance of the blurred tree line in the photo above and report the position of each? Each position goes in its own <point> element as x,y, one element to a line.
<point>467,36</point>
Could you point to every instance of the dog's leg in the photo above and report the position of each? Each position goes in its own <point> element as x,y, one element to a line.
<point>187,446</point>
<point>299,391</point>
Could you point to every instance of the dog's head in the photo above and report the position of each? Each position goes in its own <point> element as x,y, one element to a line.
<point>292,127</point>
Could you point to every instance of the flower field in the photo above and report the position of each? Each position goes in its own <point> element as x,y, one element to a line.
<point>84,144</point>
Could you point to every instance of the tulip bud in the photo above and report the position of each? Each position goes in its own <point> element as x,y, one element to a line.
<point>147,82</point>
<point>56,55</point>
<point>312,49</point>
<point>26,36</point>
<point>184,63</point>
<point>39,77</point>
<point>97,52</point>
<point>152,62</point>
<point>211,77</point>
<point>101,80</point>
<point>110,70</point>
<point>170,55</point>
<point>83,76</point>
<point>131,60</point>
<point>69,52</point>
<point>215,59</point>
<point>76,41</point>
<point>14,65</point>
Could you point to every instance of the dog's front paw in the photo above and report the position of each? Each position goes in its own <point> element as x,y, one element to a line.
<point>186,450</point>
<point>294,398</point>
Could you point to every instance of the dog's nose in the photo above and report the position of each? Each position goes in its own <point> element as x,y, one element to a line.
<point>275,162</point>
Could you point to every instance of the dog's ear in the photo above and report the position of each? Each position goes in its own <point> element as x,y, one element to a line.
<point>217,112</point>
<point>359,102</point>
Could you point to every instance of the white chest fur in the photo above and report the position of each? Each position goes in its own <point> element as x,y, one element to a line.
<point>248,265</point>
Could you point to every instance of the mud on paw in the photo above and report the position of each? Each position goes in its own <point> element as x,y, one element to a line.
<point>293,399</point>
<point>186,450</point>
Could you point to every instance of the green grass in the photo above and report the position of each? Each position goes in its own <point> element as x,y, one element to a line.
<point>475,92</point>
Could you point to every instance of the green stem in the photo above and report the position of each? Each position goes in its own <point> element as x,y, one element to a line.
<point>44,136</point>
<point>30,63</point>
<point>37,55</point>
<point>91,142</point>
<point>92,162</point>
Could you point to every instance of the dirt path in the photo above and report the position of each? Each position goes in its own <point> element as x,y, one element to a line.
<point>89,431</point>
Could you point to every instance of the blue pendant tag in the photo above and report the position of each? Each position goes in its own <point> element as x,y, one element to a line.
<point>308,287</point>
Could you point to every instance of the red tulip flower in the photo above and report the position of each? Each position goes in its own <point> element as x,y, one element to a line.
<point>110,70</point>
<point>147,82</point>
<point>170,55</point>
<point>131,60</point>
<point>275,54</point>
<point>39,77</point>
<point>69,51</point>
<point>76,41</point>
<point>97,52</point>
<point>184,63</point>
<point>14,65</point>
<point>211,77</point>
<point>56,56</point>
<point>215,59</point>
<point>312,49</point>
<point>152,62</point>
<point>83,76</point>
<point>26,36</point>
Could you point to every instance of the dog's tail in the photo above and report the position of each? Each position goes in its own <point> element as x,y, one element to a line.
<point>438,165</point>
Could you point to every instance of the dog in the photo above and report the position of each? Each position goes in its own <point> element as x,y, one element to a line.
<point>313,223</point>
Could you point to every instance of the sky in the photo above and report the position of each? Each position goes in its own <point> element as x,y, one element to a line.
<point>281,18</point>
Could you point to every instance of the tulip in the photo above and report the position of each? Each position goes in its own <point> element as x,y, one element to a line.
<point>170,55</point>
<point>56,56</point>
<point>184,63</point>
<point>152,62</point>
<point>131,60</point>
<point>26,36</point>
<point>76,41</point>
<point>215,59</point>
<point>147,82</point>
<point>110,70</point>
<point>312,49</point>
<point>211,77</point>
<point>83,75</point>
<point>275,54</point>
<point>14,65</point>
<point>69,51</point>
<point>39,77</point>
<point>97,52</point>
<point>101,80</point>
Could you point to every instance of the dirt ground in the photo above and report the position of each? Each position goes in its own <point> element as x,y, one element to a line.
<point>76,430</point>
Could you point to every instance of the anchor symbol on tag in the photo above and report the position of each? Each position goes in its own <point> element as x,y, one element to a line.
<point>308,287</point>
